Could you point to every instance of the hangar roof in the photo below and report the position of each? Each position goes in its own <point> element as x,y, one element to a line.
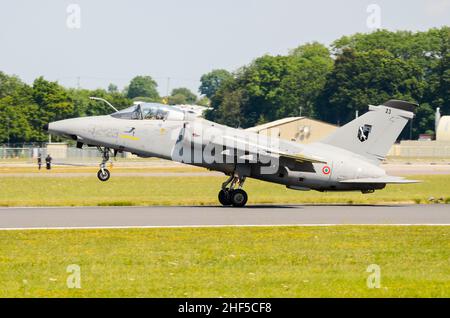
<point>274,123</point>
<point>283,121</point>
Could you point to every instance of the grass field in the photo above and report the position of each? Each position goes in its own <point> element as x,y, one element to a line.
<point>195,190</point>
<point>229,262</point>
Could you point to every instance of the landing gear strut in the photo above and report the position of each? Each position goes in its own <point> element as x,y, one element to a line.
<point>231,195</point>
<point>103,174</point>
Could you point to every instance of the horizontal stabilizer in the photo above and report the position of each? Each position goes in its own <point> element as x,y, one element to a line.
<point>383,179</point>
<point>401,104</point>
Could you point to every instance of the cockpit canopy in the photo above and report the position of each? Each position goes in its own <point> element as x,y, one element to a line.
<point>150,111</point>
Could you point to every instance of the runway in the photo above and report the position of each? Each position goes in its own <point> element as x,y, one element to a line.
<point>201,216</point>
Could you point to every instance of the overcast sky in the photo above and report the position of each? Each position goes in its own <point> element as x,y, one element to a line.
<point>112,41</point>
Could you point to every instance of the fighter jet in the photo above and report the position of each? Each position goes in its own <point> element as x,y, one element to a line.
<point>347,160</point>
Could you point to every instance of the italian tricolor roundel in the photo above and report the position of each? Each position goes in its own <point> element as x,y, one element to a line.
<point>326,170</point>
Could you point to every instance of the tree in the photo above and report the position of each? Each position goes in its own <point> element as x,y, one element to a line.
<point>210,82</point>
<point>309,66</point>
<point>112,88</point>
<point>229,112</point>
<point>423,121</point>
<point>143,86</point>
<point>17,110</point>
<point>25,109</point>
<point>253,94</point>
<point>362,69</point>
<point>177,99</point>
<point>182,95</point>
<point>311,51</point>
<point>204,101</point>
<point>261,82</point>
<point>83,106</point>
<point>427,50</point>
<point>438,74</point>
<point>15,118</point>
<point>272,87</point>
<point>362,78</point>
<point>9,84</point>
<point>54,104</point>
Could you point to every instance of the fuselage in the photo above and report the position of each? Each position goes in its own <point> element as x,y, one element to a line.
<point>171,139</point>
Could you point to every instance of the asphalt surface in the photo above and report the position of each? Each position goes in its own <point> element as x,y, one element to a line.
<point>118,217</point>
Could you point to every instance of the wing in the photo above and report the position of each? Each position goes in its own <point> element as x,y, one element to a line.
<point>247,150</point>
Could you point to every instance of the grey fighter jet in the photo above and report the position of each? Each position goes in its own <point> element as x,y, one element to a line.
<point>347,160</point>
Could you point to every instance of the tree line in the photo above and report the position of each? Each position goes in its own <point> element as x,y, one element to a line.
<point>24,109</point>
<point>332,83</point>
<point>326,83</point>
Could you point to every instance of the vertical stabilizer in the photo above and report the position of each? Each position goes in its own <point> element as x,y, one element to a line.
<point>372,134</point>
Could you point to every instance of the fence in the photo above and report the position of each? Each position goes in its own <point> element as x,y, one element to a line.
<point>421,149</point>
<point>60,151</point>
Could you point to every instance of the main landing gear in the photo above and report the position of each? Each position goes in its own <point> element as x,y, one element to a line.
<point>103,174</point>
<point>236,197</point>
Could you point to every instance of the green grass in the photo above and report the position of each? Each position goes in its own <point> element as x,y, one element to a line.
<point>190,190</point>
<point>94,169</point>
<point>229,262</point>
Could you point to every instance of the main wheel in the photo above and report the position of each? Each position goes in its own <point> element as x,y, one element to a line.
<point>238,197</point>
<point>103,175</point>
<point>224,197</point>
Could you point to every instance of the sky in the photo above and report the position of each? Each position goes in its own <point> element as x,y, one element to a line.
<point>92,43</point>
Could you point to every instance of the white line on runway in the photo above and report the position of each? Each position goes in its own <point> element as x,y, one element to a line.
<point>206,226</point>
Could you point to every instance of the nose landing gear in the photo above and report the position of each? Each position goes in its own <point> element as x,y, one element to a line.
<point>103,174</point>
<point>232,196</point>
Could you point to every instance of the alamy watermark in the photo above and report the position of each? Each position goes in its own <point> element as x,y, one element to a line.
<point>74,279</point>
<point>212,145</point>
<point>73,20</point>
<point>373,21</point>
<point>374,279</point>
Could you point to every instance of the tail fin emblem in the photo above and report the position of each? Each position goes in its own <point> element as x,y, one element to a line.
<point>363,132</point>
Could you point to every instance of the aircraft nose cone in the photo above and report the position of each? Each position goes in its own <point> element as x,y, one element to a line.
<point>45,127</point>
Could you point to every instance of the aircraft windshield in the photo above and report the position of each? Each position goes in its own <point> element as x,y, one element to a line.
<point>150,111</point>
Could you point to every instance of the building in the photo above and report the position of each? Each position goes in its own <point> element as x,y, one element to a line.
<point>443,129</point>
<point>299,129</point>
<point>426,147</point>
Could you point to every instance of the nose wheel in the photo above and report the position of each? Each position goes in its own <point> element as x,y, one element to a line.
<point>103,174</point>
<point>231,196</point>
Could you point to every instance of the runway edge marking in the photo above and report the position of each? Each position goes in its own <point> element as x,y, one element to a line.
<point>211,226</point>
